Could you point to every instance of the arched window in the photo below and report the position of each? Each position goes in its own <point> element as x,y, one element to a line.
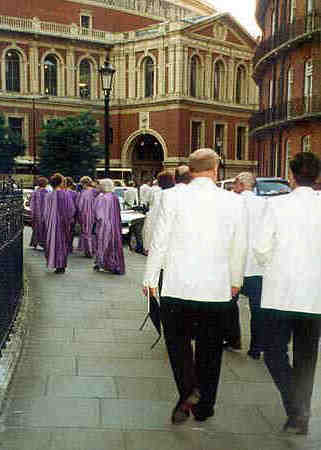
<point>219,81</point>
<point>13,71</point>
<point>193,76</point>
<point>240,90</point>
<point>85,79</point>
<point>149,77</point>
<point>51,75</point>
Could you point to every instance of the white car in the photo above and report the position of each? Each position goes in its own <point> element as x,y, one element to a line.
<point>128,215</point>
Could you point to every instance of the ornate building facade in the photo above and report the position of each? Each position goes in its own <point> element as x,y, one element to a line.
<point>287,69</point>
<point>183,77</point>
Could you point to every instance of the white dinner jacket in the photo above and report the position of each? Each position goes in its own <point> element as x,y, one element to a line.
<point>254,206</point>
<point>289,246</point>
<point>200,239</point>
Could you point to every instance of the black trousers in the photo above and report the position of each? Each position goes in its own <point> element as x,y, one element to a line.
<point>295,382</point>
<point>232,334</point>
<point>206,322</point>
<point>252,288</point>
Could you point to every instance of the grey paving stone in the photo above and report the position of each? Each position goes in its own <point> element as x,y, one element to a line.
<point>78,439</point>
<point>54,412</point>
<point>31,365</point>
<point>99,366</point>
<point>246,369</point>
<point>248,394</point>
<point>28,387</point>
<point>83,387</point>
<point>136,414</point>
<point>145,388</point>
<point>51,333</point>
<point>160,440</point>
<point>94,335</point>
<point>24,439</point>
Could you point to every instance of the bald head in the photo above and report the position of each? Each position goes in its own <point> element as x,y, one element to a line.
<point>204,162</point>
<point>182,175</point>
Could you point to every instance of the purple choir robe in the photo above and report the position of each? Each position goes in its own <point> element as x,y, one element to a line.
<point>37,207</point>
<point>59,215</point>
<point>85,215</point>
<point>109,246</point>
<point>74,197</point>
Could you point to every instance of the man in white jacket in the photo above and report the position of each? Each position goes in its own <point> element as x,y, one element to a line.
<point>252,287</point>
<point>200,240</point>
<point>290,247</point>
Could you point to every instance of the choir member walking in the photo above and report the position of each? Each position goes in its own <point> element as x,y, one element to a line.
<point>37,205</point>
<point>58,215</point>
<point>109,247</point>
<point>85,207</point>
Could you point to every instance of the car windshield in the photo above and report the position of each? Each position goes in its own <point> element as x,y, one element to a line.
<point>273,187</point>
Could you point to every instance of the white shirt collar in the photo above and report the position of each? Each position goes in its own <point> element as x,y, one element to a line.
<point>248,193</point>
<point>303,190</point>
<point>203,181</point>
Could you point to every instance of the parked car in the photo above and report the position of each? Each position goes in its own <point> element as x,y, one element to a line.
<point>26,206</point>
<point>265,186</point>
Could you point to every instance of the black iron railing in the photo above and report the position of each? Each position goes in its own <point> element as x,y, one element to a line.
<point>288,32</point>
<point>11,256</point>
<point>294,109</point>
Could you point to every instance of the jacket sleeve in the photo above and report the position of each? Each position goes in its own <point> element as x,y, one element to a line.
<point>238,248</point>
<point>266,238</point>
<point>160,240</point>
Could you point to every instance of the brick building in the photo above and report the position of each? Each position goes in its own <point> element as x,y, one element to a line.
<point>183,76</point>
<point>287,69</point>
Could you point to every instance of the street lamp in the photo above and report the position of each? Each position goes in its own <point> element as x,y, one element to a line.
<point>107,73</point>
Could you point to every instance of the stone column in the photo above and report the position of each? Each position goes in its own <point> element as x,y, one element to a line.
<point>231,79</point>
<point>179,85</point>
<point>161,71</point>
<point>72,73</point>
<point>34,69</point>
<point>207,79</point>
<point>186,73</point>
<point>122,77</point>
<point>131,74</point>
<point>171,69</point>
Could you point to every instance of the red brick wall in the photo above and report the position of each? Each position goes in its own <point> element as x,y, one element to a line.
<point>61,11</point>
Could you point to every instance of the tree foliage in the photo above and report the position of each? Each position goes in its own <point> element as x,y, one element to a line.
<point>11,146</point>
<point>69,145</point>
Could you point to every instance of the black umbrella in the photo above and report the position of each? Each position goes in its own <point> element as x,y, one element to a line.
<point>154,315</point>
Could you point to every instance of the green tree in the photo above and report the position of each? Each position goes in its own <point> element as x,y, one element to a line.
<point>69,145</point>
<point>11,145</point>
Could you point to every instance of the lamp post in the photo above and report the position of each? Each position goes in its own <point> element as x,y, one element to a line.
<point>107,73</point>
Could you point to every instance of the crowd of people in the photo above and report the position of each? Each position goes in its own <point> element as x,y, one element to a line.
<point>58,205</point>
<point>204,245</point>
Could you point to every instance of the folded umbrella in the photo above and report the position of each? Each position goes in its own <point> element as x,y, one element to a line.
<point>154,315</point>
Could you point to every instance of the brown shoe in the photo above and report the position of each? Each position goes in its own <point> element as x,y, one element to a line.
<point>180,413</point>
<point>297,425</point>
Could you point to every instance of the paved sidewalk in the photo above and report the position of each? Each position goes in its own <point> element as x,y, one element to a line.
<point>88,381</point>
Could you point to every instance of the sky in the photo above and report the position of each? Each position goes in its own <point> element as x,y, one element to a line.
<point>242,10</point>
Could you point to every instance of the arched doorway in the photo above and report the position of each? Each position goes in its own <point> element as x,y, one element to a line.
<point>147,157</point>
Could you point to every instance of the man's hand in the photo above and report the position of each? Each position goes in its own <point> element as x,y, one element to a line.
<point>235,291</point>
<point>152,291</point>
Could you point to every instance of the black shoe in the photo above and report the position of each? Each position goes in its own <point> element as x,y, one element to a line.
<point>180,413</point>
<point>233,345</point>
<point>96,268</point>
<point>202,413</point>
<point>254,354</point>
<point>60,270</point>
<point>297,425</point>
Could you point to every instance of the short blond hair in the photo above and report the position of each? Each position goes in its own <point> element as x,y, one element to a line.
<point>203,159</point>
<point>246,178</point>
<point>106,185</point>
<point>86,181</point>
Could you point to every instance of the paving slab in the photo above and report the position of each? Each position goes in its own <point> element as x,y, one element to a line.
<point>87,379</point>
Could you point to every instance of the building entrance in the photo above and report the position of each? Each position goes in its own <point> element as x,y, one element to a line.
<point>147,157</point>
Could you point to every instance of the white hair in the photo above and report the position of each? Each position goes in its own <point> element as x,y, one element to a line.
<point>246,178</point>
<point>106,185</point>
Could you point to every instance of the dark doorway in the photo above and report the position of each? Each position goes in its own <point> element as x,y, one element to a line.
<point>147,157</point>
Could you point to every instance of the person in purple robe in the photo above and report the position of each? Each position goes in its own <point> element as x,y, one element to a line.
<point>71,189</point>
<point>85,214</point>
<point>109,246</point>
<point>59,215</point>
<point>37,206</point>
